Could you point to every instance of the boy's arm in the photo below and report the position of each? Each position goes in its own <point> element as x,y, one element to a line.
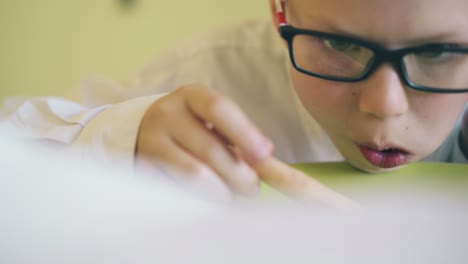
<point>106,132</point>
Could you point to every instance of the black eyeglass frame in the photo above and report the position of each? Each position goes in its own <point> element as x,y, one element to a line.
<point>382,55</point>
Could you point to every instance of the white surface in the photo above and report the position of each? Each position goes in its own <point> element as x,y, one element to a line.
<point>55,210</point>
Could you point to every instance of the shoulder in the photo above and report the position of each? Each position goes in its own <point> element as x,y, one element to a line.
<point>247,39</point>
<point>249,34</point>
<point>248,54</point>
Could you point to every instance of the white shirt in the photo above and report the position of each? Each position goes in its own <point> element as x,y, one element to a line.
<point>247,62</point>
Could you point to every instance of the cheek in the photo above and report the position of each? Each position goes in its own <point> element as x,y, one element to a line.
<point>431,119</point>
<point>439,112</point>
<point>328,102</point>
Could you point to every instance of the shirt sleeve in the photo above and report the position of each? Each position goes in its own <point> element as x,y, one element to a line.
<point>111,136</point>
<point>107,132</point>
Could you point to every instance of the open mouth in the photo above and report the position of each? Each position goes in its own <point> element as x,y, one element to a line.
<point>385,158</point>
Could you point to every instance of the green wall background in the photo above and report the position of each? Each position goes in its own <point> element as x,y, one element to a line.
<point>48,47</point>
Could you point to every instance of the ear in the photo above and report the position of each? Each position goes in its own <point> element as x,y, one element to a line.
<point>274,16</point>
<point>275,7</point>
<point>273,11</point>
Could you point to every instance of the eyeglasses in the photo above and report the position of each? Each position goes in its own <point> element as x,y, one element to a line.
<point>437,68</point>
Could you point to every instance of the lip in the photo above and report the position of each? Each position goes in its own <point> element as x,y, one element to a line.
<point>385,156</point>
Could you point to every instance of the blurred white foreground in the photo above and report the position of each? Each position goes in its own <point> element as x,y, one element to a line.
<point>58,210</point>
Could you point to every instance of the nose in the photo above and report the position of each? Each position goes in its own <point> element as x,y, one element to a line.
<point>383,95</point>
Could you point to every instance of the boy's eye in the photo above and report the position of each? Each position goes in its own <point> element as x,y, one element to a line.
<point>339,45</point>
<point>430,54</point>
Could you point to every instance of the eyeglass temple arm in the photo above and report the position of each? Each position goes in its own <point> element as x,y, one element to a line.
<point>280,13</point>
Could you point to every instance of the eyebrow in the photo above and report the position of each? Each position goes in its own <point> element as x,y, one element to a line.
<point>320,24</point>
<point>330,25</point>
<point>442,37</point>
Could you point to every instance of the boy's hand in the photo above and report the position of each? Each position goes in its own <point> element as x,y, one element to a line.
<point>202,136</point>
<point>198,136</point>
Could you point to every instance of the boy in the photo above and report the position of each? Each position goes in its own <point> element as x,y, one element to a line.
<point>339,84</point>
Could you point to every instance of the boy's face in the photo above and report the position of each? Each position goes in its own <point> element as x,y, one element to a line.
<point>379,123</point>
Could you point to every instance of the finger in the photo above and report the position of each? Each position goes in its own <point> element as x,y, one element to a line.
<point>296,184</point>
<point>230,121</point>
<point>205,145</point>
<point>170,158</point>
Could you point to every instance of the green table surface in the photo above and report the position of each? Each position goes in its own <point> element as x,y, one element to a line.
<point>347,180</point>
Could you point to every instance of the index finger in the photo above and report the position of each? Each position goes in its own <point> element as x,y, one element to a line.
<point>229,121</point>
<point>296,184</point>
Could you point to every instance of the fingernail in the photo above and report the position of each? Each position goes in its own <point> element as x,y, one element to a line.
<point>262,150</point>
<point>253,192</point>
